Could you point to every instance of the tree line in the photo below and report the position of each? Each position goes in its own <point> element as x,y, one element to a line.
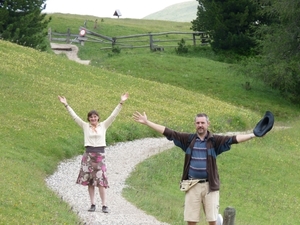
<point>265,32</point>
<point>22,22</point>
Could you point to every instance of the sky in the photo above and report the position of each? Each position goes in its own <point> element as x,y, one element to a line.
<point>105,8</point>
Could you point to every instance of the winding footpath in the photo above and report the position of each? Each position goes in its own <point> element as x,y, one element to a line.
<point>121,159</point>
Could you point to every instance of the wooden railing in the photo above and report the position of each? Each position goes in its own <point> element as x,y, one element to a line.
<point>149,40</point>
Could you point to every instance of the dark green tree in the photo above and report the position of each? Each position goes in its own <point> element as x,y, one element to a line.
<point>229,24</point>
<point>22,22</point>
<point>279,46</point>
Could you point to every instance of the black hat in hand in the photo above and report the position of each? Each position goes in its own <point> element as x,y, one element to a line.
<point>264,125</point>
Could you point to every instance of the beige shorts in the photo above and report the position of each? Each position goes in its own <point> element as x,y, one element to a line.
<point>197,197</point>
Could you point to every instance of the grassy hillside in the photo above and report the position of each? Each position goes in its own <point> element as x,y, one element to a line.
<point>181,12</point>
<point>201,66</point>
<point>113,26</point>
<point>37,132</point>
<point>258,179</point>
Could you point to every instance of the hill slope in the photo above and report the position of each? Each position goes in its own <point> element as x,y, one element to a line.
<point>181,12</point>
<point>37,132</point>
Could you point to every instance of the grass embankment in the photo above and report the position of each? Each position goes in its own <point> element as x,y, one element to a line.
<point>258,179</point>
<point>197,71</point>
<point>37,132</point>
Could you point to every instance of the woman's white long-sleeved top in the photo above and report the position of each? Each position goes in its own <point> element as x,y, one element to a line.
<point>95,137</point>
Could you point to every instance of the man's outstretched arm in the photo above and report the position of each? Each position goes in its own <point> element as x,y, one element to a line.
<point>138,117</point>
<point>244,137</point>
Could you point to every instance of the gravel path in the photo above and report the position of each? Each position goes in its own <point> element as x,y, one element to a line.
<point>121,160</point>
<point>70,50</point>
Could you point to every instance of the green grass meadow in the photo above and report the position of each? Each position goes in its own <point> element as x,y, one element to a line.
<point>258,178</point>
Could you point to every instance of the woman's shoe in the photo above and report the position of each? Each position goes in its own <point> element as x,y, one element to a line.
<point>105,209</point>
<point>93,208</point>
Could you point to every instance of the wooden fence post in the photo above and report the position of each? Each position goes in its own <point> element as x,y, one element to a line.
<point>113,43</point>
<point>194,39</point>
<point>151,41</point>
<point>68,36</point>
<point>229,216</point>
<point>49,34</point>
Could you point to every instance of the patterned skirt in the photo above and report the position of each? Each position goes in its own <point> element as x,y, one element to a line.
<point>93,170</point>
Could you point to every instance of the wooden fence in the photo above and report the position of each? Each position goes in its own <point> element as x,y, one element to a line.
<point>149,40</point>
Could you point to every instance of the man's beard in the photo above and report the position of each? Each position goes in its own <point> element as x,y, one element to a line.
<point>201,131</point>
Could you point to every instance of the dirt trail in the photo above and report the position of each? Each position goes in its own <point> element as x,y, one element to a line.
<point>70,50</point>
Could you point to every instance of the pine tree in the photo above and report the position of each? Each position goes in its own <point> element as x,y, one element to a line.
<point>22,22</point>
<point>229,24</point>
<point>279,48</point>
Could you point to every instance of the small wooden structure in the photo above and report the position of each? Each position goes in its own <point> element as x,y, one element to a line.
<point>117,13</point>
<point>229,216</point>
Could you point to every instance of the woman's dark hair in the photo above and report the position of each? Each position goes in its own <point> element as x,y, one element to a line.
<point>92,112</point>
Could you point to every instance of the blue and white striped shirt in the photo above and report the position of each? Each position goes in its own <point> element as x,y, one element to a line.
<point>197,168</point>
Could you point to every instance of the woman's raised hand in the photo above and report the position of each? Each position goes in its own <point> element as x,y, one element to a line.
<point>63,100</point>
<point>124,97</point>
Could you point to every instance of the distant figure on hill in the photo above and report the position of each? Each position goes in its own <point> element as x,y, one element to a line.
<point>96,23</point>
<point>93,168</point>
<point>200,171</point>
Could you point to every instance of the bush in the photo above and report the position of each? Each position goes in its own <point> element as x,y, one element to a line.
<point>116,49</point>
<point>182,48</point>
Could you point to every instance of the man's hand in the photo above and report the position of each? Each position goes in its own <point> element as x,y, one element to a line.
<point>138,117</point>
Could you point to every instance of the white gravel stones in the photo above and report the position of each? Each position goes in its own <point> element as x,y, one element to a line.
<point>120,160</point>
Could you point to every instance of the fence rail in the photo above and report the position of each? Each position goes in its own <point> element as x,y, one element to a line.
<point>167,39</point>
